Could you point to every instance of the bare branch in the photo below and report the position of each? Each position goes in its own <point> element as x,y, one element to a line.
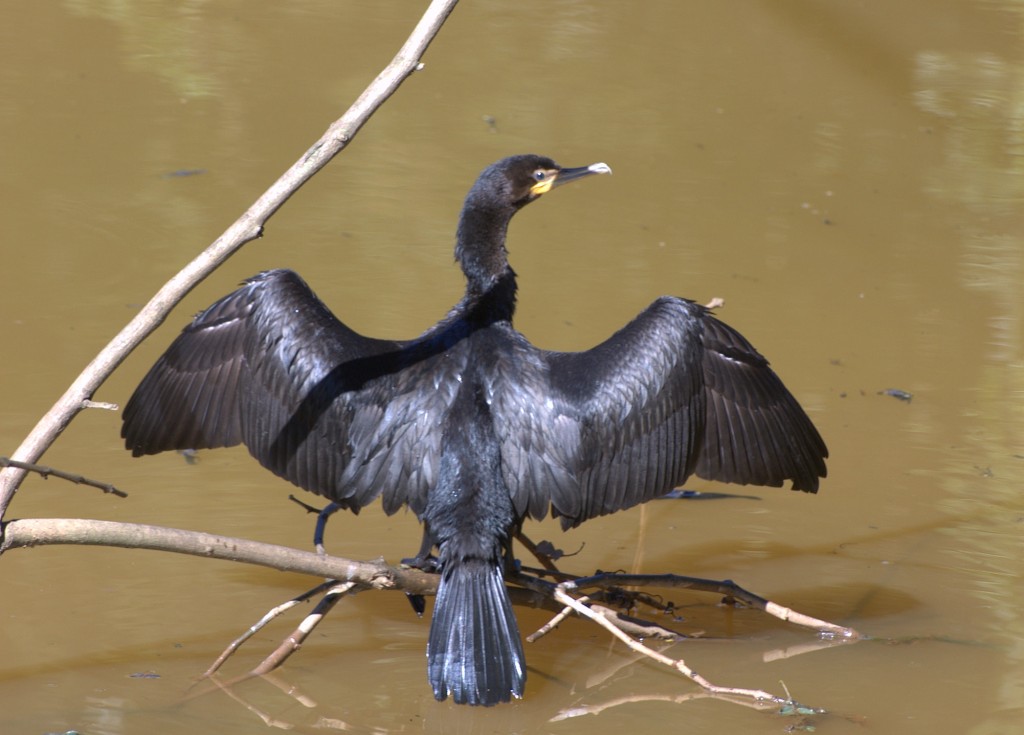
<point>355,575</point>
<point>596,709</point>
<point>554,622</point>
<point>294,642</point>
<point>262,622</point>
<point>726,587</point>
<point>77,479</point>
<point>679,665</point>
<point>247,227</point>
<point>27,532</point>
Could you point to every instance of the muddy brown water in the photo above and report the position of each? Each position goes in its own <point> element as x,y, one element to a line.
<point>848,177</point>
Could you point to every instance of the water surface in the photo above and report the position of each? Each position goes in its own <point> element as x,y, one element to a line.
<point>847,177</point>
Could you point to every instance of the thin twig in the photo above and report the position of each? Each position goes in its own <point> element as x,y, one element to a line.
<point>553,623</point>
<point>45,472</point>
<point>247,227</point>
<point>294,642</point>
<point>262,622</point>
<point>726,587</point>
<point>562,595</point>
<point>596,709</point>
<point>635,627</point>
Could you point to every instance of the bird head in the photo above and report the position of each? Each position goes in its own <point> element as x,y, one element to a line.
<point>531,176</point>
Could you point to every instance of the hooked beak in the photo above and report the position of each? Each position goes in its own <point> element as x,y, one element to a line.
<point>565,175</point>
<point>572,174</point>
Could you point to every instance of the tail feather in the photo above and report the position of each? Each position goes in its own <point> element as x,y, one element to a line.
<point>474,651</point>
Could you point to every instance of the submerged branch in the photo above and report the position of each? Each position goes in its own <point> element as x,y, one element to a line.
<point>725,587</point>
<point>356,575</point>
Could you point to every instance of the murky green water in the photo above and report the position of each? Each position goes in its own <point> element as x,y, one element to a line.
<point>848,178</point>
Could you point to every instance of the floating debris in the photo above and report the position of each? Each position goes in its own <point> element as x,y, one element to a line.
<point>897,393</point>
<point>183,172</point>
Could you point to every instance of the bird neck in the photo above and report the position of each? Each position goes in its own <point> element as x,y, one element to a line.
<point>497,304</point>
<point>480,243</point>
<point>480,251</point>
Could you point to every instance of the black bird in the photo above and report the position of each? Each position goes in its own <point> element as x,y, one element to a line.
<point>469,424</point>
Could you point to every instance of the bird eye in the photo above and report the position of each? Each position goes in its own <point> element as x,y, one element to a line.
<point>540,174</point>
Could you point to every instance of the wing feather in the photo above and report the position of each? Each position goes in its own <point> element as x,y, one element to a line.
<point>672,393</point>
<point>589,433</point>
<point>336,413</point>
<point>582,434</point>
<point>755,431</point>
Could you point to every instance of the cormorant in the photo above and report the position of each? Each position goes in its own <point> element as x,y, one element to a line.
<point>469,424</point>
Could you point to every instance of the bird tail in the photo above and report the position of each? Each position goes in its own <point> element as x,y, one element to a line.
<point>474,651</point>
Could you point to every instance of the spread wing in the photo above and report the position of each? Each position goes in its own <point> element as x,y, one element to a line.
<point>673,393</point>
<point>334,412</point>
